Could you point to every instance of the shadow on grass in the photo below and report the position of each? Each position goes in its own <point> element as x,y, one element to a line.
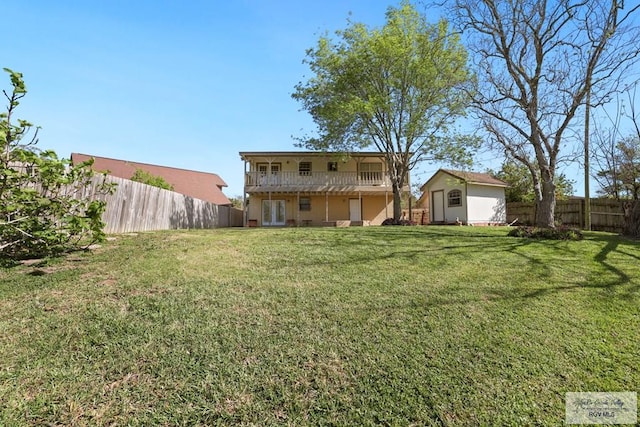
<point>621,278</point>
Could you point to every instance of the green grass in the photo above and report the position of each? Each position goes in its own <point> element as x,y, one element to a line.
<point>319,326</point>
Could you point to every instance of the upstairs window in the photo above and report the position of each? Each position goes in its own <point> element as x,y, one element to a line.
<point>370,171</point>
<point>455,198</point>
<point>332,167</point>
<point>304,168</point>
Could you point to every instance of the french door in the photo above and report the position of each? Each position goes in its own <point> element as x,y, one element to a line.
<point>273,212</point>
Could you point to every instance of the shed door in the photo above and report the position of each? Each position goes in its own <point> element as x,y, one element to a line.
<point>437,199</point>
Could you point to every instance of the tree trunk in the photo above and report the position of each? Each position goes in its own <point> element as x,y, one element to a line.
<point>546,207</point>
<point>632,218</point>
<point>397,202</point>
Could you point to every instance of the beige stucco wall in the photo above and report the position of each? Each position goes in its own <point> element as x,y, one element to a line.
<point>374,208</point>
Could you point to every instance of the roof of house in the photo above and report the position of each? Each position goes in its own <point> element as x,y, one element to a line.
<point>200,185</point>
<point>470,178</point>
<point>245,155</point>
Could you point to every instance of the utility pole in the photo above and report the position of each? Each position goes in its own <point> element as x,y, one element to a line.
<point>587,197</point>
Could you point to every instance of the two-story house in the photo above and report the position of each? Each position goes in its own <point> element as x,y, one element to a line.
<point>316,188</point>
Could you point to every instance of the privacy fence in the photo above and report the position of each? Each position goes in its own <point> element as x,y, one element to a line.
<point>137,207</point>
<point>606,214</point>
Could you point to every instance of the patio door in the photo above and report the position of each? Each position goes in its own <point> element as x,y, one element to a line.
<point>273,212</point>
<point>437,207</point>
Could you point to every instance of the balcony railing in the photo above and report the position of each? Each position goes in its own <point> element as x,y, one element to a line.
<point>293,179</point>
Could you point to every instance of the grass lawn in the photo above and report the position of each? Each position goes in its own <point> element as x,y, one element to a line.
<point>319,326</point>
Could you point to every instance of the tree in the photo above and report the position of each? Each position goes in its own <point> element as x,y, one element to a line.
<point>538,63</point>
<point>42,208</point>
<point>521,188</point>
<point>618,171</point>
<point>150,179</point>
<point>396,89</point>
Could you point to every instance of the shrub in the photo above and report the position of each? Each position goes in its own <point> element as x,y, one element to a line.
<point>391,221</point>
<point>559,233</point>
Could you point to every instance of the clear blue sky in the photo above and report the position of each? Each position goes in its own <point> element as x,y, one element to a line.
<point>184,83</point>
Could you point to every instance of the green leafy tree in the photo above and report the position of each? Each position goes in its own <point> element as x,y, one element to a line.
<point>150,179</point>
<point>521,187</point>
<point>43,210</point>
<point>396,89</point>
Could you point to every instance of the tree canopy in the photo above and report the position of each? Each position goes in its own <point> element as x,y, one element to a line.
<point>395,89</point>
<point>521,188</point>
<point>539,64</point>
<point>150,179</point>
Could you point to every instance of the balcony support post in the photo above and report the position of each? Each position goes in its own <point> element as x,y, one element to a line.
<point>326,206</point>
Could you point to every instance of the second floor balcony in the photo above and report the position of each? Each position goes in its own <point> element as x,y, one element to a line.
<point>261,181</point>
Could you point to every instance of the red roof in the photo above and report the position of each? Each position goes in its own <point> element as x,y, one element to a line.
<point>200,185</point>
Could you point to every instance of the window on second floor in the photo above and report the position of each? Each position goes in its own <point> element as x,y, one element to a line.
<point>332,166</point>
<point>304,168</point>
<point>455,198</point>
<point>370,171</point>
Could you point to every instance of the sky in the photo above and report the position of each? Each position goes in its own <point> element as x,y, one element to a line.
<point>181,83</point>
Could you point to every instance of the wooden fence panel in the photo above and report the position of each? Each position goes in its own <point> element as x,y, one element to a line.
<point>606,214</point>
<point>138,207</point>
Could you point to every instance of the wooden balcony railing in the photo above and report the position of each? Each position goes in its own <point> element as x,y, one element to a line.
<point>293,179</point>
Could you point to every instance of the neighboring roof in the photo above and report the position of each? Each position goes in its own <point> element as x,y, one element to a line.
<point>244,155</point>
<point>470,178</point>
<point>200,185</point>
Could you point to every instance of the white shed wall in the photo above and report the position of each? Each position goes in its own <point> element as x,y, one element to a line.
<point>447,183</point>
<point>486,204</point>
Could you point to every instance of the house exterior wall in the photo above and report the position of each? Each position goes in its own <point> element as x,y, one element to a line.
<point>486,204</point>
<point>375,209</point>
<point>277,182</point>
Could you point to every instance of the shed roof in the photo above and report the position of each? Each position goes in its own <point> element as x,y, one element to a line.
<point>478,178</point>
<point>200,185</point>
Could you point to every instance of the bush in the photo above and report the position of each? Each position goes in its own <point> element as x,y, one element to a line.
<point>559,233</point>
<point>391,221</point>
<point>43,210</point>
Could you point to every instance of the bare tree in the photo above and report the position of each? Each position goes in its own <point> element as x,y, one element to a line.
<point>617,154</point>
<point>538,63</point>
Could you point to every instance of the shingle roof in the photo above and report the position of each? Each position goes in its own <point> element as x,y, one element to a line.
<point>476,177</point>
<point>200,185</point>
<point>471,178</point>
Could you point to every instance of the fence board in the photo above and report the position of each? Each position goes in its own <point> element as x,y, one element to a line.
<point>138,207</point>
<point>606,214</point>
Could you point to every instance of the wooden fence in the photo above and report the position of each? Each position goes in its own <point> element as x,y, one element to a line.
<point>606,214</point>
<point>139,207</point>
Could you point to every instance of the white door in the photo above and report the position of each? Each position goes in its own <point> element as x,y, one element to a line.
<point>273,212</point>
<point>437,207</point>
<point>355,210</point>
